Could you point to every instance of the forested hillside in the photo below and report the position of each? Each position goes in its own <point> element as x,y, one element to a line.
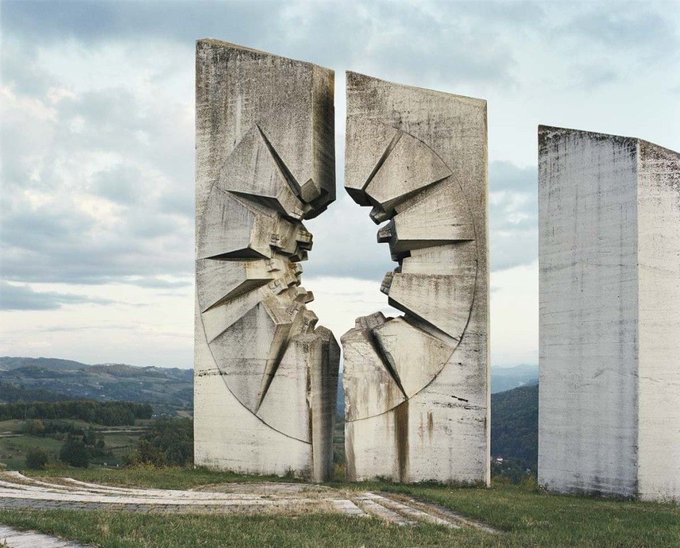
<point>514,426</point>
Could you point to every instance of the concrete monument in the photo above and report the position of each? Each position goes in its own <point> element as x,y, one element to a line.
<point>265,376</point>
<point>609,407</point>
<point>416,386</point>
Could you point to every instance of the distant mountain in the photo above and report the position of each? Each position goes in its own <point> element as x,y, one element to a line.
<point>50,379</point>
<point>507,378</point>
<point>514,425</point>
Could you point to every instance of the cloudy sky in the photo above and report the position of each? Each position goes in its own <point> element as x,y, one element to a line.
<point>96,114</point>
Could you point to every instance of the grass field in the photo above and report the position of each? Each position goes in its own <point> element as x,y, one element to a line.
<point>527,517</point>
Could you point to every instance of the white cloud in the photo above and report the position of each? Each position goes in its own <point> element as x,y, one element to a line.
<point>514,316</point>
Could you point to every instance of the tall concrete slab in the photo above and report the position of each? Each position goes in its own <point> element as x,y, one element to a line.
<point>609,253</point>
<point>416,386</point>
<point>265,375</point>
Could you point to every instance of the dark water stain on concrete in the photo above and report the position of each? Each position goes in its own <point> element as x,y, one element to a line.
<point>401,437</point>
<point>350,465</point>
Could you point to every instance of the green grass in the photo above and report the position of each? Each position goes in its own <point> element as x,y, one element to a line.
<point>13,450</point>
<point>109,529</point>
<point>528,517</point>
<point>149,476</point>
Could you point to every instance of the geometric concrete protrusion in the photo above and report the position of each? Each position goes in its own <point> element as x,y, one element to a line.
<point>609,254</point>
<point>416,386</point>
<point>265,375</point>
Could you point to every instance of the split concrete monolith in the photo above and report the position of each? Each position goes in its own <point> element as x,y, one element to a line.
<point>265,377</point>
<point>609,404</point>
<point>416,386</point>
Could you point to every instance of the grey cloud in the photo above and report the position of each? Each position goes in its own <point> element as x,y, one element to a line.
<point>513,223</point>
<point>23,297</point>
<point>47,245</point>
<point>592,76</point>
<point>95,21</point>
<point>60,242</point>
<point>384,36</point>
<point>120,184</point>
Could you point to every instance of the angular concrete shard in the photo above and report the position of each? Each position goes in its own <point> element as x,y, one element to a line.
<point>436,216</point>
<point>609,257</point>
<point>289,385</point>
<point>254,171</point>
<point>301,137</point>
<point>415,356</point>
<point>250,351</point>
<point>409,166</point>
<point>416,387</point>
<point>220,280</point>
<point>248,234</point>
<point>371,387</point>
<point>444,302</point>
<point>264,161</point>
<point>368,143</point>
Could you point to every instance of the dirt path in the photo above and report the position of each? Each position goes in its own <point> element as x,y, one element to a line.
<point>32,539</point>
<point>19,491</point>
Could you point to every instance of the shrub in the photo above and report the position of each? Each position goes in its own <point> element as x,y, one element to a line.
<point>36,458</point>
<point>74,452</point>
<point>34,427</point>
<point>168,442</point>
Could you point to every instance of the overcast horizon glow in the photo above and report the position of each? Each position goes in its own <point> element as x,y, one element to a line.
<point>97,149</point>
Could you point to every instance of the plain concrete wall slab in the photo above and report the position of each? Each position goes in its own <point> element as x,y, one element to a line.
<point>659,322</point>
<point>609,390</point>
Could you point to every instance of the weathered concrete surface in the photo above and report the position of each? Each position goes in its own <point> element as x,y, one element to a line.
<point>416,387</point>
<point>265,377</point>
<point>609,419</point>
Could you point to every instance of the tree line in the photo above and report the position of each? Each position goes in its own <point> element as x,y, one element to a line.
<point>109,413</point>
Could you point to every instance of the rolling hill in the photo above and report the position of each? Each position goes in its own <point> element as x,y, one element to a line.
<point>49,379</point>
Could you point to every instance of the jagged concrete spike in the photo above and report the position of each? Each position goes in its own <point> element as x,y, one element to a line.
<point>458,259</point>
<point>219,280</point>
<point>248,234</point>
<point>609,220</point>
<point>289,385</point>
<point>411,166</point>
<point>264,161</point>
<point>367,143</point>
<point>252,171</point>
<point>246,350</point>
<point>428,179</point>
<point>416,356</point>
<point>303,138</point>
<point>370,388</point>
<point>433,298</point>
<point>436,216</point>
<point>217,319</point>
<point>285,318</point>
